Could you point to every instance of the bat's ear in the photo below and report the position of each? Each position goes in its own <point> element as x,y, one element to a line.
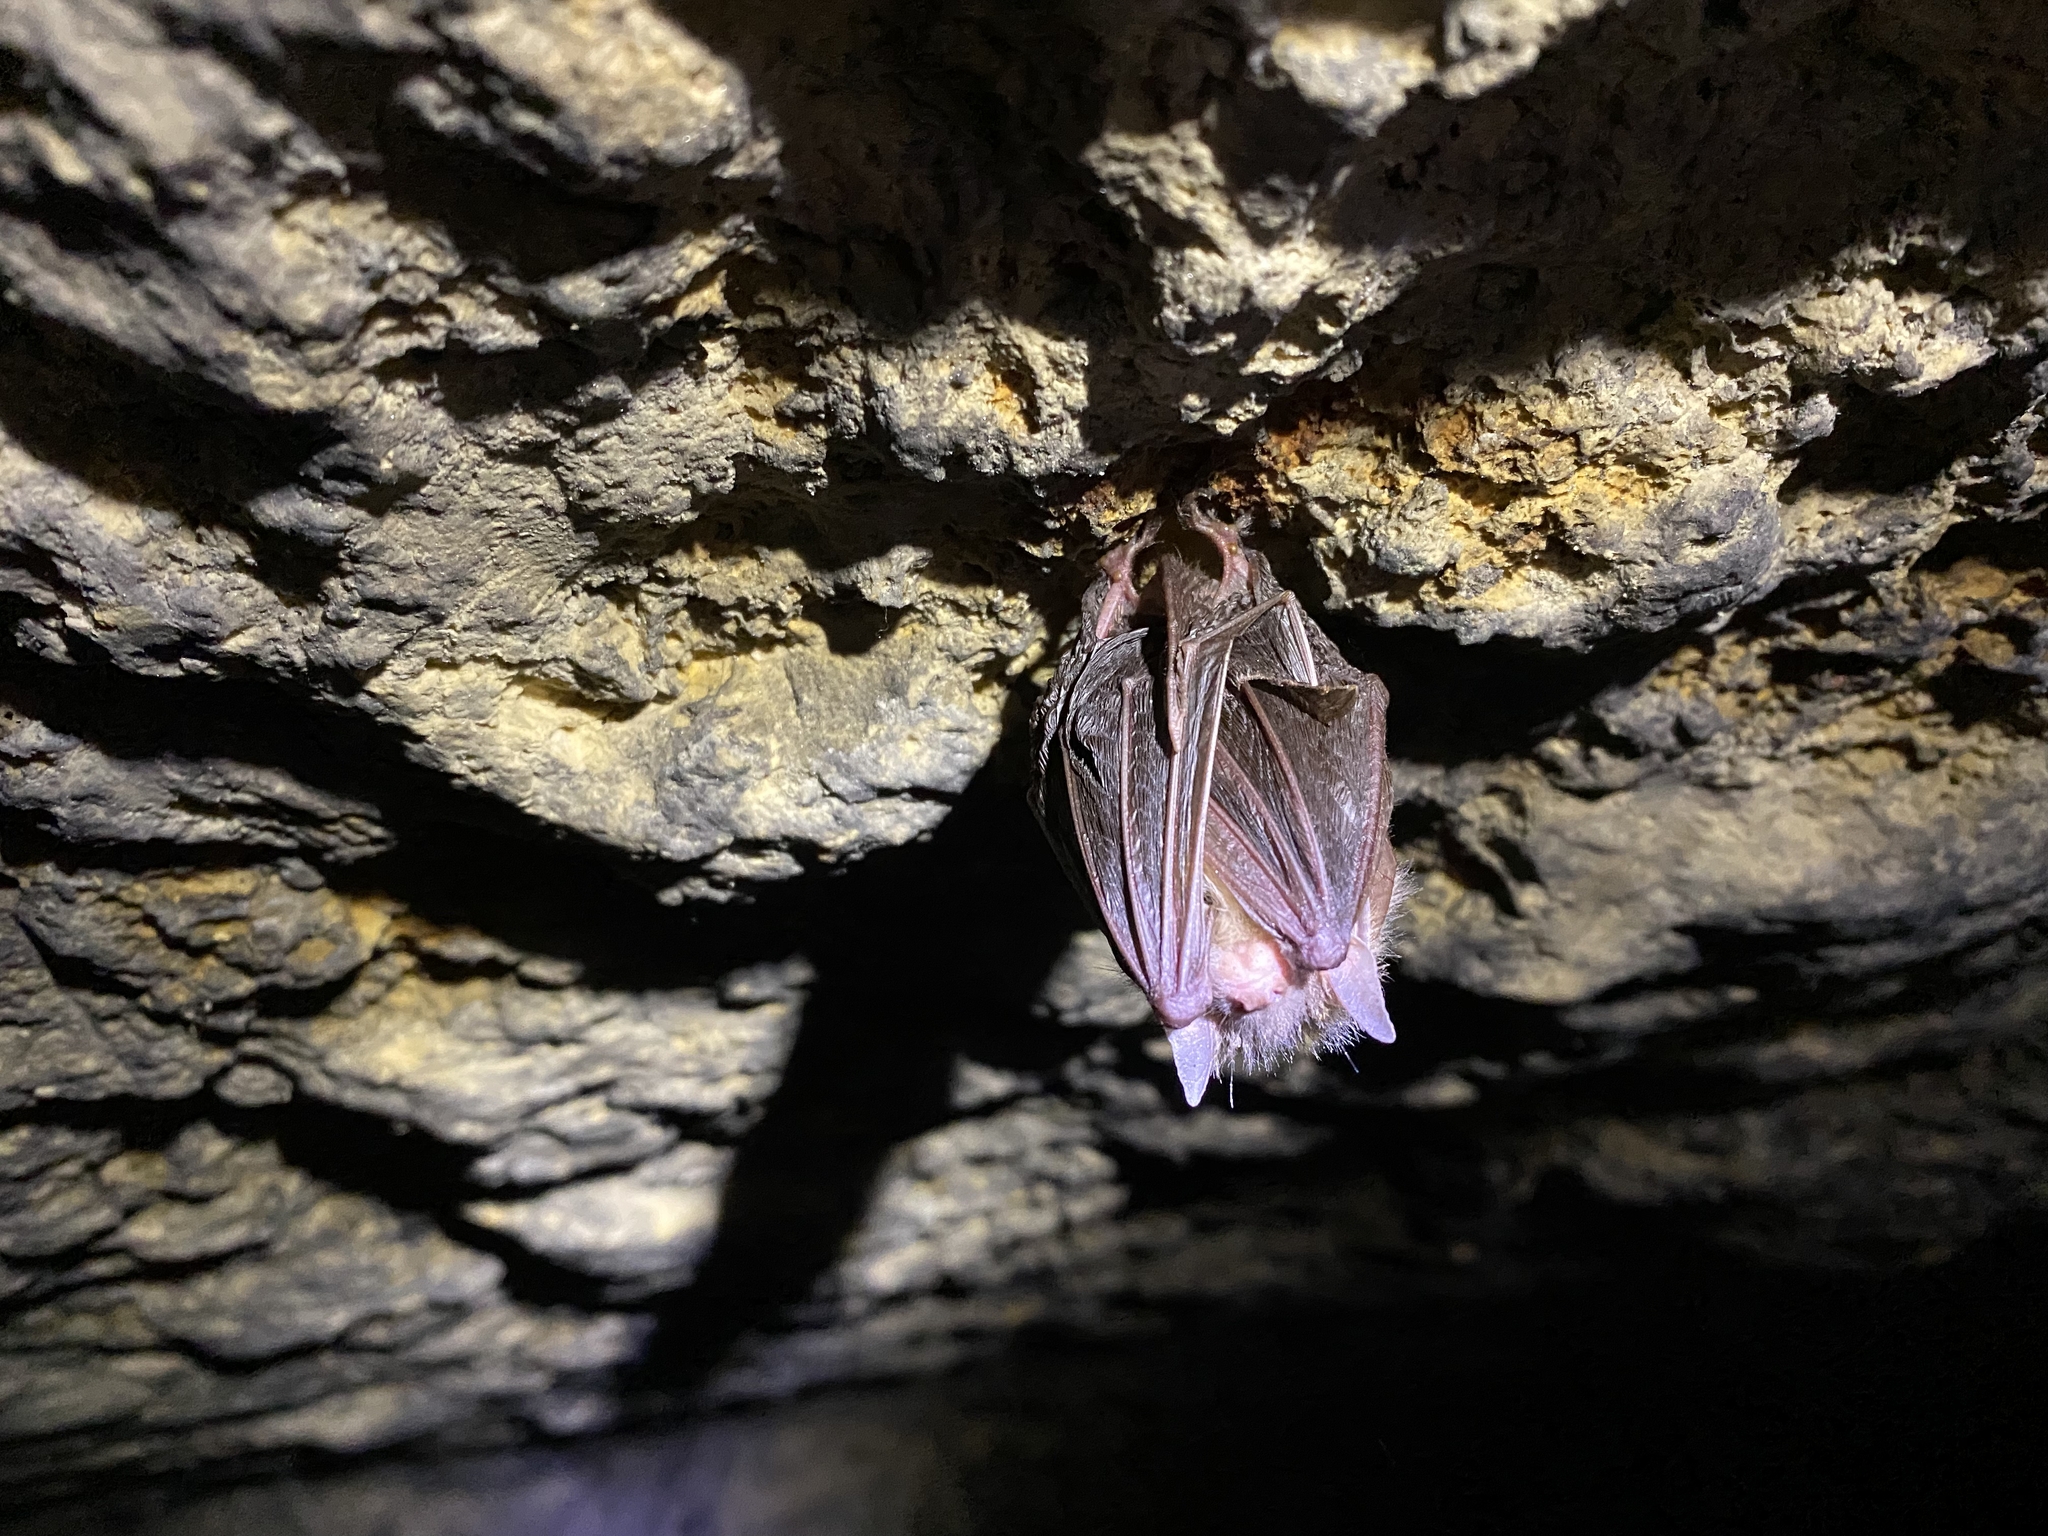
<point>1357,985</point>
<point>1194,1057</point>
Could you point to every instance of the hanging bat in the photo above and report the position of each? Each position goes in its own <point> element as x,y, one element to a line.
<point>1212,773</point>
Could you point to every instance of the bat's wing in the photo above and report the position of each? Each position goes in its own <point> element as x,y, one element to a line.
<point>1047,791</point>
<point>1107,609</point>
<point>1382,869</point>
<point>1300,798</point>
<point>1139,817</point>
<point>1138,743</point>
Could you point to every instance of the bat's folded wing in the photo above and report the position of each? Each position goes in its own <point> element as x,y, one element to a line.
<point>1139,813</point>
<point>1299,798</point>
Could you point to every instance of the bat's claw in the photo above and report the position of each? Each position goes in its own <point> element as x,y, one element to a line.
<point>1194,1057</point>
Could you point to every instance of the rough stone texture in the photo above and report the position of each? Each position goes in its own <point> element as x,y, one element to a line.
<point>526,532</point>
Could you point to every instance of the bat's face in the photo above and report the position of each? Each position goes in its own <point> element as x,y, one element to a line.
<point>1214,774</point>
<point>1249,968</point>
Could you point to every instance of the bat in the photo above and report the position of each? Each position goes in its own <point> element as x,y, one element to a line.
<point>1213,775</point>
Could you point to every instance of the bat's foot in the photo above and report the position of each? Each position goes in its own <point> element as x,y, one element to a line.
<point>1120,597</point>
<point>1237,572</point>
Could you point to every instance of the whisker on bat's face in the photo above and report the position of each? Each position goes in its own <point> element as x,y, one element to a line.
<point>1213,773</point>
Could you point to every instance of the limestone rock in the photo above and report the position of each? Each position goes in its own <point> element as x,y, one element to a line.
<point>653,1223</point>
<point>526,534</point>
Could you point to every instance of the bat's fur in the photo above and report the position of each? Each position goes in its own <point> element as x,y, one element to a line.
<point>1212,772</point>
<point>1312,1019</point>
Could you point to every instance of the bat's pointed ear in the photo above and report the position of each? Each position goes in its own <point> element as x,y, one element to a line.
<point>1194,1057</point>
<point>1357,985</point>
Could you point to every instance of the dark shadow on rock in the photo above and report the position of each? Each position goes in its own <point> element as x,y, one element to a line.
<point>165,440</point>
<point>974,119</point>
<point>1885,444</point>
<point>1688,1391</point>
<point>916,950</point>
<point>967,185</point>
<point>1704,190</point>
<point>2016,546</point>
<point>526,221</point>
<point>1454,703</point>
<point>460,858</point>
<point>1682,1390</point>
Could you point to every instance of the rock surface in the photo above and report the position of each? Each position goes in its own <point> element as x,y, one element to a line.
<point>526,534</point>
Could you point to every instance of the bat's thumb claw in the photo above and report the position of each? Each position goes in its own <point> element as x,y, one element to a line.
<point>1357,985</point>
<point>1194,1057</point>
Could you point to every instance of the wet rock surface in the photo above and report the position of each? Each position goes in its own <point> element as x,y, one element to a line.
<point>527,534</point>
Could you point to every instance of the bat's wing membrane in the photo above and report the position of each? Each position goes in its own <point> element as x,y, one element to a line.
<point>1139,810</point>
<point>1300,795</point>
<point>1383,869</point>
